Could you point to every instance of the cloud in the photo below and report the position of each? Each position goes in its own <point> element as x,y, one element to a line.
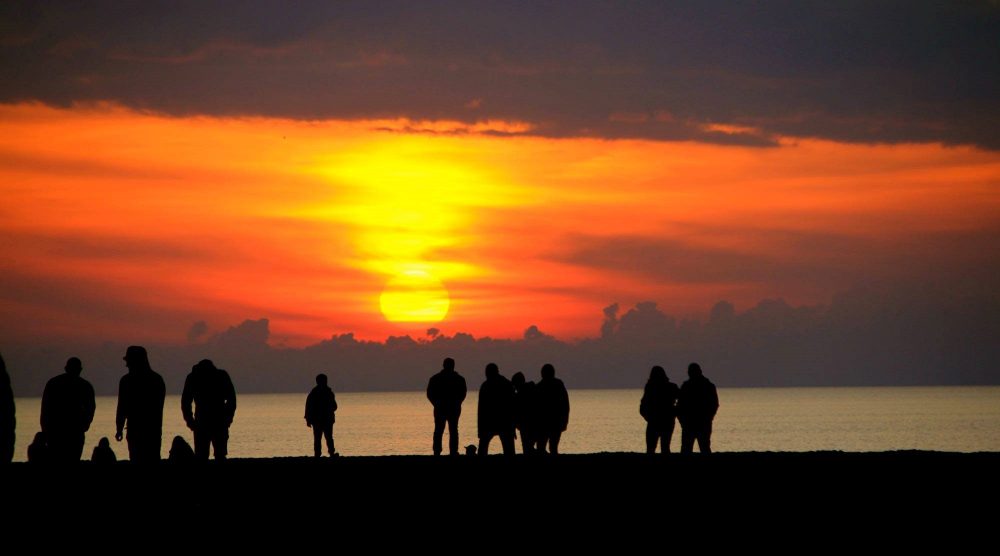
<point>725,73</point>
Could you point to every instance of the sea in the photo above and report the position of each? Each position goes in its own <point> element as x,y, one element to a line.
<point>957,419</point>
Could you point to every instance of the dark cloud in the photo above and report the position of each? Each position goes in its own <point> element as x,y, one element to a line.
<point>876,335</point>
<point>852,71</point>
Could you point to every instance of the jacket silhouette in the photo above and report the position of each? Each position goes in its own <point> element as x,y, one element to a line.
<point>526,412</point>
<point>696,408</point>
<point>553,410</point>
<point>496,411</point>
<point>140,407</point>
<point>8,416</point>
<point>214,398</point>
<point>658,408</point>
<point>68,407</point>
<point>321,405</point>
<point>446,391</point>
<point>103,452</point>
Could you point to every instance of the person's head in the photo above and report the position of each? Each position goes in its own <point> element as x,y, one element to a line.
<point>136,358</point>
<point>104,443</point>
<point>203,366</point>
<point>321,379</point>
<point>74,366</point>
<point>548,371</point>
<point>694,370</point>
<point>449,364</point>
<point>657,374</point>
<point>517,379</point>
<point>492,370</point>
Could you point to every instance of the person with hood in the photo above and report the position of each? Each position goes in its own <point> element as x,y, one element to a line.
<point>321,406</point>
<point>525,412</point>
<point>446,391</point>
<point>141,392</point>
<point>214,398</point>
<point>68,407</point>
<point>103,453</point>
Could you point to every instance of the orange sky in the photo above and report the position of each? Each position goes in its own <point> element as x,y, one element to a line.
<point>130,226</point>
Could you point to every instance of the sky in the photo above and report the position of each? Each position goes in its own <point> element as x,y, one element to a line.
<point>211,177</point>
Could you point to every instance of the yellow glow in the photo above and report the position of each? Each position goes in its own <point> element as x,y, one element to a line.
<point>414,296</point>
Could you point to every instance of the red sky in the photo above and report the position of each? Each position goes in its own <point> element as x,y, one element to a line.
<point>126,225</point>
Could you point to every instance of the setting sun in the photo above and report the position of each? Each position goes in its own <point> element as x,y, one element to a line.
<point>414,296</point>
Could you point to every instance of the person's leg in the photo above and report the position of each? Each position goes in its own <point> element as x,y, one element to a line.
<point>651,437</point>
<point>202,439</point>
<point>484,444</point>
<point>317,440</point>
<point>328,432</point>
<point>507,440</point>
<point>543,440</point>
<point>687,439</point>
<point>554,442</point>
<point>222,443</point>
<point>705,438</point>
<point>439,421</point>
<point>668,435</point>
<point>527,442</point>
<point>453,435</point>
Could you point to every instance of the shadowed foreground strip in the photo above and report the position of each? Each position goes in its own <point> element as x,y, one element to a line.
<point>617,492</point>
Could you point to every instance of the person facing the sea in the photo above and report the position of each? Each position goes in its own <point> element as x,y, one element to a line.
<point>525,411</point>
<point>214,397</point>
<point>68,407</point>
<point>141,392</point>
<point>696,408</point>
<point>496,411</point>
<point>103,453</point>
<point>321,406</point>
<point>658,408</point>
<point>8,420</point>
<point>553,410</point>
<point>446,391</point>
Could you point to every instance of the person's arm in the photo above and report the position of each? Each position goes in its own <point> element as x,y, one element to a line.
<point>310,401</point>
<point>715,401</point>
<point>230,398</point>
<point>45,416</point>
<point>120,411</point>
<point>187,396</point>
<point>89,407</point>
<point>333,399</point>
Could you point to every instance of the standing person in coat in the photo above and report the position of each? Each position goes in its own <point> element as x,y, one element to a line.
<point>320,407</point>
<point>658,408</point>
<point>553,410</point>
<point>214,398</point>
<point>68,407</point>
<point>496,411</point>
<point>446,391</point>
<point>140,407</point>
<point>696,408</point>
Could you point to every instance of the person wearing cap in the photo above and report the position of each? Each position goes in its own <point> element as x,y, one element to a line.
<point>211,391</point>
<point>696,408</point>
<point>140,407</point>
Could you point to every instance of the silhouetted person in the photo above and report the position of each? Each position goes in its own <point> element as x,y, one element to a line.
<point>525,411</point>
<point>67,410</point>
<point>8,417</point>
<point>214,399</point>
<point>553,410</point>
<point>446,390</point>
<point>103,452</point>
<point>140,407</point>
<point>38,450</point>
<point>696,408</point>
<point>321,406</point>
<point>496,411</point>
<point>180,450</point>
<point>659,408</point>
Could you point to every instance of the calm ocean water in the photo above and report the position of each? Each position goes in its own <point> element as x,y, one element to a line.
<point>963,419</point>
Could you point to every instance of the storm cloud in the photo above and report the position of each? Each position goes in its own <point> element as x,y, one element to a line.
<point>722,72</point>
